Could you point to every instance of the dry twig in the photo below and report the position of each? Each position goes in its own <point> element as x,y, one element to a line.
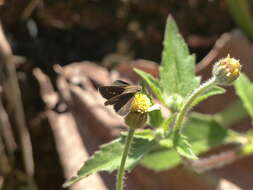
<point>12,94</point>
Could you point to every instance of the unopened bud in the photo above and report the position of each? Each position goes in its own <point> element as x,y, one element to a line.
<point>226,70</point>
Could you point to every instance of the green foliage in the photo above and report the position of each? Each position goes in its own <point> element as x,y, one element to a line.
<point>231,114</point>
<point>109,156</point>
<point>203,133</point>
<point>167,122</point>
<point>144,134</point>
<point>183,147</point>
<point>211,92</point>
<point>244,89</point>
<point>177,71</point>
<point>200,128</point>
<point>153,84</point>
<point>161,160</point>
<point>179,90</point>
<point>155,118</point>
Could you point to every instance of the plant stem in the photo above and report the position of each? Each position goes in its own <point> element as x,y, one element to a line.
<point>121,170</point>
<point>187,104</point>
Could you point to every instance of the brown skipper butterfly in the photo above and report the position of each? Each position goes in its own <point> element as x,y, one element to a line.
<point>120,94</point>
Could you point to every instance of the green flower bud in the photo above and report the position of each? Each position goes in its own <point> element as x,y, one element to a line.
<point>136,119</point>
<point>226,70</point>
<point>174,102</point>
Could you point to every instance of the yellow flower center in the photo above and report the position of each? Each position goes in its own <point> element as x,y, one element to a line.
<point>226,70</point>
<point>231,66</point>
<point>141,103</point>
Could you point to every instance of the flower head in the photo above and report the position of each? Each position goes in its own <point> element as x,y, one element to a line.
<point>226,70</point>
<point>138,115</point>
<point>141,103</point>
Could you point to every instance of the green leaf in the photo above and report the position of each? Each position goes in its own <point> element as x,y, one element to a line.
<point>109,156</point>
<point>203,128</point>
<point>177,70</point>
<point>152,82</point>
<point>244,89</point>
<point>183,147</point>
<point>231,114</point>
<point>203,133</point>
<point>166,123</point>
<point>161,160</point>
<point>211,92</point>
<point>155,118</point>
<point>144,134</point>
<point>167,142</point>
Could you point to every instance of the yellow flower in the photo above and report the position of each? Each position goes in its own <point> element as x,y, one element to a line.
<point>141,103</point>
<point>226,70</point>
<point>138,114</point>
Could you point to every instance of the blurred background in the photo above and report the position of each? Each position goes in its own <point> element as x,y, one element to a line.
<point>54,55</point>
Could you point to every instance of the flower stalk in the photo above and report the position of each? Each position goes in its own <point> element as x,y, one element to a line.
<point>121,171</point>
<point>187,105</point>
<point>136,118</point>
<point>225,71</point>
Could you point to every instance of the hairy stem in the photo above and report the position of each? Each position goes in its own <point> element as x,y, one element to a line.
<point>187,105</point>
<point>121,171</point>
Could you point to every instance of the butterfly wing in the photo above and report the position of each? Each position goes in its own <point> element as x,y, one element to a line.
<point>117,88</point>
<point>123,104</point>
<point>120,83</point>
<point>120,98</point>
<point>125,108</point>
<point>110,91</point>
<point>120,95</point>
